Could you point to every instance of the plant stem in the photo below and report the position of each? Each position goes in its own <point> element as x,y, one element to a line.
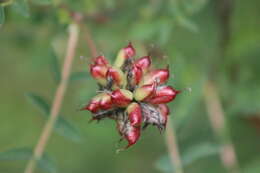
<point>171,141</point>
<point>217,120</point>
<point>59,95</point>
<point>91,45</point>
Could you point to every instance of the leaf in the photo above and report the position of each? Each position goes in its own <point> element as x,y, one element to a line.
<point>187,23</point>
<point>2,15</point>
<point>194,6</point>
<point>62,126</point>
<point>39,102</point>
<point>66,129</point>
<point>191,155</point>
<point>55,66</point>
<point>21,7</point>
<point>45,163</point>
<point>42,2</point>
<point>16,154</point>
<point>199,151</point>
<point>165,31</point>
<point>79,76</point>
<point>164,164</point>
<point>181,18</point>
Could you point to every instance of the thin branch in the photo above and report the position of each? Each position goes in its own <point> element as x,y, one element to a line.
<point>91,45</point>
<point>171,141</point>
<point>59,95</point>
<point>217,120</point>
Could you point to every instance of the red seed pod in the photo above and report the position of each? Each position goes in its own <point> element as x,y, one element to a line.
<point>163,94</point>
<point>159,75</point>
<point>134,114</point>
<point>143,63</point>
<point>165,111</point>
<point>99,72</point>
<point>132,135</point>
<point>116,75</point>
<point>92,107</point>
<point>144,92</point>
<point>101,101</point>
<point>129,51</point>
<point>123,54</point>
<point>105,101</point>
<point>100,60</point>
<point>136,75</point>
<point>121,97</point>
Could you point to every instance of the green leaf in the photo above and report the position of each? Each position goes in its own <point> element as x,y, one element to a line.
<point>39,103</point>
<point>55,66</point>
<point>165,31</point>
<point>42,2</point>
<point>164,164</point>
<point>79,76</point>
<point>16,154</point>
<point>21,7</point>
<point>45,163</point>
<point>62,126</point>
<point>66,129</point>
<point>191,155</point>
<point>193,6</point>
<point>187,23</point>
<point>2,15</point>
<point>199,151</point>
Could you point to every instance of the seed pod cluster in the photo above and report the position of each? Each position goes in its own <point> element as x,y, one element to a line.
<point>131,92</point>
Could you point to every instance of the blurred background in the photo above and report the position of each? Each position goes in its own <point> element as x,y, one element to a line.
<point>212,47</point>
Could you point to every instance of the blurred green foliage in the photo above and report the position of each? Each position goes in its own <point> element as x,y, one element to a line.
<point>187,34</point>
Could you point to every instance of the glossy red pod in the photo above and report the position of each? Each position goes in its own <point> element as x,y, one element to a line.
<point>132,135</point>
<point>128,132</point>
<point>134,114</point>
<point>163,94</point>
<point>129,50</point>
<point>105,101</point>
<point>144,92</point>
<point>143,63</point>
<point>160,76</point>
<point>100,60</point>
<point>101,101</point>
<point>121,97</point>
<point>124,54</point>
<point>117,76</point>
<point>136,75</point>
<point>99,72</point>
